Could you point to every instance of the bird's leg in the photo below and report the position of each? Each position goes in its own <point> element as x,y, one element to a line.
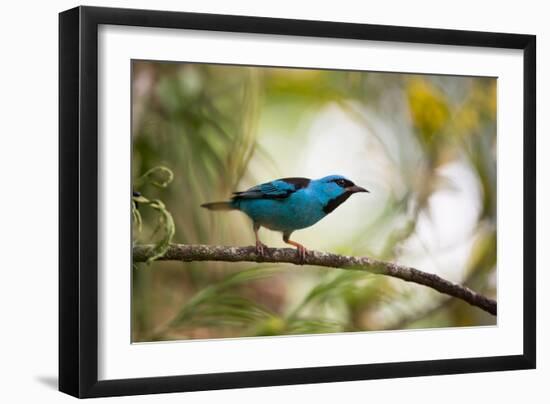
<point>260,247</point>
<point>301,250</point>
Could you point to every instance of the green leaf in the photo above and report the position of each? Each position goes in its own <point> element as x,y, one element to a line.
<point>218,305</point>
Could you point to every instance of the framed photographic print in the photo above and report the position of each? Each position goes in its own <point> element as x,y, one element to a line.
<point>251,201</point>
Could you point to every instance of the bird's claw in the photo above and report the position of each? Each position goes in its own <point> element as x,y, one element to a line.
<point>260,248</point>
<point>302,252</point>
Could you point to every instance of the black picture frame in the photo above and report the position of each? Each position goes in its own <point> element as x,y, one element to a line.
<point>78,200</point>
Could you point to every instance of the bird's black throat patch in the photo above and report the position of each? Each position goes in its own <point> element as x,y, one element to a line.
<point>335,202</point>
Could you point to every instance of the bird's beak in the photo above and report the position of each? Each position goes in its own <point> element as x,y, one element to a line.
<point>355,188</point>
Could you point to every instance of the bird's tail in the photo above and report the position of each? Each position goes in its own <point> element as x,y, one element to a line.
<point>219,205</point>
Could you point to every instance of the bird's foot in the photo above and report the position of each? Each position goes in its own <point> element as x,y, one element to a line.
<point>260,248</point>
<point>302,252</point>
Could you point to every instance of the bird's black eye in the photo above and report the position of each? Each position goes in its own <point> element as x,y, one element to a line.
<point>342,182</point>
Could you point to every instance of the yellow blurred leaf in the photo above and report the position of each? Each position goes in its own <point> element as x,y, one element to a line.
<point>467,120</point>
<point>428,107</point>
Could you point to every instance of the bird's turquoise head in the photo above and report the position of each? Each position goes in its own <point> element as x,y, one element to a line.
<point>334,190</point>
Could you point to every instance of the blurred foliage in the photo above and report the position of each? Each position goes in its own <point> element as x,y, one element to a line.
<point>429,111</point>
<point>205,130</point>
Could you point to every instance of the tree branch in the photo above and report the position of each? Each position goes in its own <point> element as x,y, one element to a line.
<point>189,252</point>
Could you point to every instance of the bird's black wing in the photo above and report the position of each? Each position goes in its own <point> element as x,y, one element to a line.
<point>278,189</point>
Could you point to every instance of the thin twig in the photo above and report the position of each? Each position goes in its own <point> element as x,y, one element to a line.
<point>189,252</point>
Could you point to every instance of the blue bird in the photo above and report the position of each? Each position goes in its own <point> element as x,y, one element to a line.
<point>289,204</point>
